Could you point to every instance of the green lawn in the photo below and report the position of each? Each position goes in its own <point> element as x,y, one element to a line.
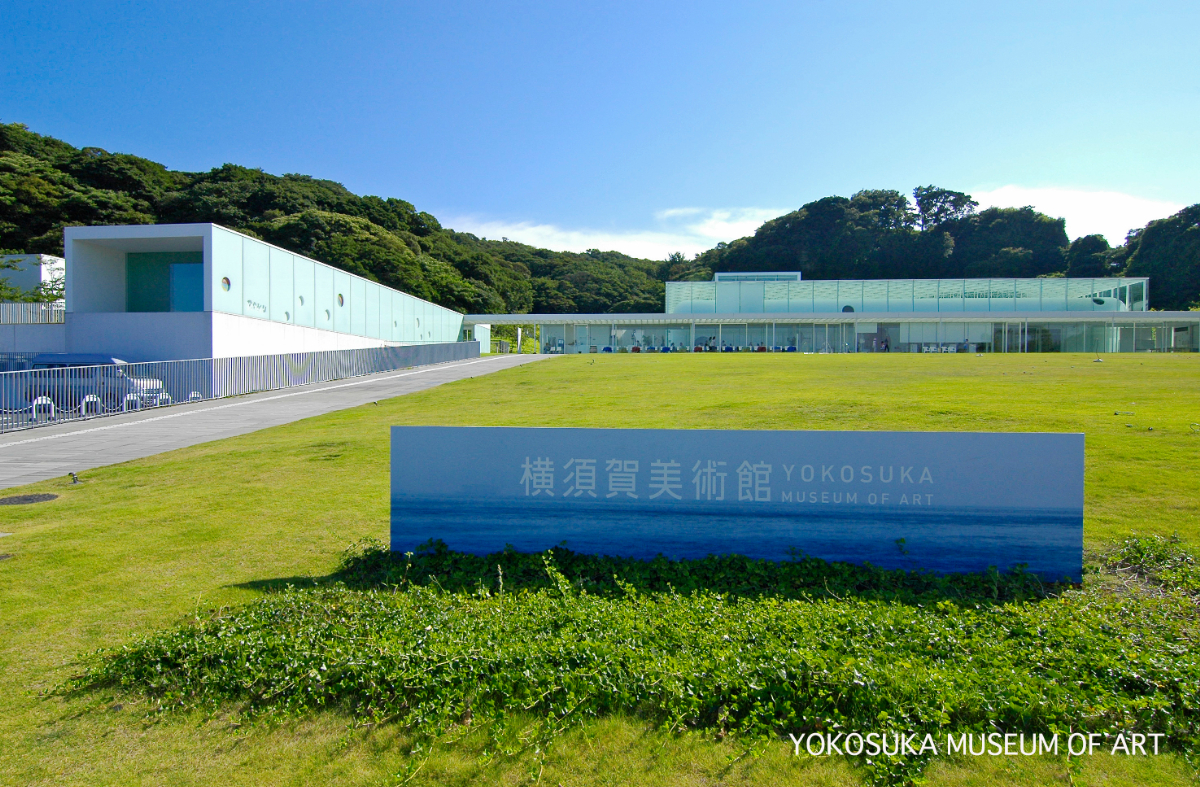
<point>147,544</point>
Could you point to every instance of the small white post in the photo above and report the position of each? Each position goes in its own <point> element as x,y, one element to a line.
<point>41,405</point>
<point>91,403</point>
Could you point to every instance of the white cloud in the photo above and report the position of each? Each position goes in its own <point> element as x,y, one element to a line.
<point>1107,213</point>
<point>689,230</point>
<point>726,225</point>
<point>692,230</point>
<point>671,213</point>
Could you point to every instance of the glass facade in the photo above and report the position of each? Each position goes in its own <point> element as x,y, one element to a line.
<point>751,312</point>
<point>757,296</point>
<point>600,334</point>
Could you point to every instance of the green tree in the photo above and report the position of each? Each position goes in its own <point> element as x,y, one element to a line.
<point>1088,257</point>
<point>551,296</point>
<point>46,184</point>
<point>677,267</point>
<point>883,208</point>
<point>937,205</point>
<point>980,240</point>
<point>1007,263</point>
<point>1168,251</point>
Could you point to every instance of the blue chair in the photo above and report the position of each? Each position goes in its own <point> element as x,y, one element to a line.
<point>790,350</point>
<point>607,350</point>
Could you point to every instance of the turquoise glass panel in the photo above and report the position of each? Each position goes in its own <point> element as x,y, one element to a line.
<point>728,297</point>
<point>323,299</point>
<point>775,297</point>
<point>1029,295</point>
<point>679,297</point>
<point>226,284</point>
<point>304,300</point>
<point>256,275</point>
<point>187,286</point>
<point>800,296</point>
<point>825,295</point>
<point>341,302</point>
<point>850,296</point>
<point>283,308</point>
<point>900,295</point>
<point>372,310</point>
<point>358,307</point>
<point>385,314</point>
<point>1001,295</point>
<point>874,296</point>
<point>704,298</point>
<point>1054,295</point>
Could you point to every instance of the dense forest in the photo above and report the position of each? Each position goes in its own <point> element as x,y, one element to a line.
<point>881,234</point>
<point>46,184</point>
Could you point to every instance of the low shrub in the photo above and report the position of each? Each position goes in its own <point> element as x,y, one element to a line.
<point>370,563</point>
<point>755,664</point>
<point>1162,561</point>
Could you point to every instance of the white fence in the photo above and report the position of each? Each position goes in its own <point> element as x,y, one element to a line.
<point>31,313</point>
<point>38,397</point>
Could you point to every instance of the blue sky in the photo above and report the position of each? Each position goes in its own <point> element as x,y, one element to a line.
<point>639,126</point>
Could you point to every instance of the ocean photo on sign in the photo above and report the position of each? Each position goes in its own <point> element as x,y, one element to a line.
<point>942,501</point>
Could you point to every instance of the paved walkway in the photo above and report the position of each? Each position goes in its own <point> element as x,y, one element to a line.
<point>53,451</point>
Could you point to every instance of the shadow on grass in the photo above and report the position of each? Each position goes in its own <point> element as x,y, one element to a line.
<point>370,564</point>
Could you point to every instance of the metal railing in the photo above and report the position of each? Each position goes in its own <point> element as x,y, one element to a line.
<point>13,313</point>
<point>16,362</point>
<point>39,397</point>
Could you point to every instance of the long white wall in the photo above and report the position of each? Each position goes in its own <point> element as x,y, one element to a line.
<point>169,336</point>
<point>49,338</point>
<point>141,336</point>
<point>234,335</point>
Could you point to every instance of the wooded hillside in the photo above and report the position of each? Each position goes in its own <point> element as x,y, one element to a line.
<point>46,184</point>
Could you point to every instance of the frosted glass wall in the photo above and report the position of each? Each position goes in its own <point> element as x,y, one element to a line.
<point>256,279</point>
<point>906,295</point>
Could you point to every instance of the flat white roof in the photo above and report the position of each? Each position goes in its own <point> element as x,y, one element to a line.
<point>143,237</point>
<point>737,318</point>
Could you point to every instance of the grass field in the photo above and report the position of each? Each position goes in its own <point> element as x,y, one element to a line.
<point>149,544</point>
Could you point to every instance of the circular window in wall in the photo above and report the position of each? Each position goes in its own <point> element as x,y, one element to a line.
<point>287,316</point>
<point>327,314</point>
<point>301,298</point>
<point>418,321</point>
<point>341,300</point>
<point>847,308</point>
<point>225,283</point>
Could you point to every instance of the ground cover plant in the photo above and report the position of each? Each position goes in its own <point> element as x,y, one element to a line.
<point>152,559</point>
<point>435,660</point>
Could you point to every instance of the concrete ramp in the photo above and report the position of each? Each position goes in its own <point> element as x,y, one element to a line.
<point>54,451</point>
